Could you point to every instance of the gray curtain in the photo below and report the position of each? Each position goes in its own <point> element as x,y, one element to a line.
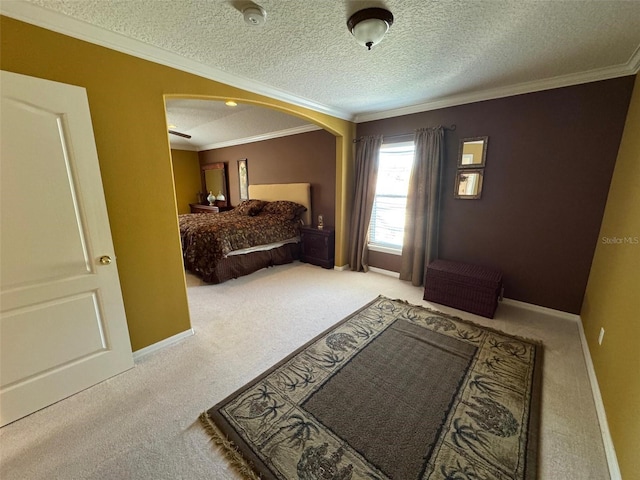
<point>420,245</point>
<point>366,166</point>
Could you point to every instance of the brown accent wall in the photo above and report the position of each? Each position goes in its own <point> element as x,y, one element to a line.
<point>385,261</point>
<point>306,157</point>
<point>550,160</point>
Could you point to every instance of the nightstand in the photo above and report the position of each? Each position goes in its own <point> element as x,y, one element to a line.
<point>197,208</point>
<point>317,246</point>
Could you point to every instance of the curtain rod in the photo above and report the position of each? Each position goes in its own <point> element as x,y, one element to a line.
<point>451,128</point>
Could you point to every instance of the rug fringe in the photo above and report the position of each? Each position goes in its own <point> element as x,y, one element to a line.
<point>533,341</point>
<point>230,450</point>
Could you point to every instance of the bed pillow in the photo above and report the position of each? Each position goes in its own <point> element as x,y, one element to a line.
<point>286,208</point>
<point>250,207</point>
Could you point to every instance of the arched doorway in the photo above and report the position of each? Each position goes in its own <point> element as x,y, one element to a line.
<point>342,132</point>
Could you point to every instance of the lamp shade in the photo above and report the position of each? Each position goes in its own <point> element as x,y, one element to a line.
<point>368,26</point>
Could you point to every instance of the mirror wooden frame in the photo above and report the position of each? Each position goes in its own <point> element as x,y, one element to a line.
<point>459,178</point>
<point>483,161</point>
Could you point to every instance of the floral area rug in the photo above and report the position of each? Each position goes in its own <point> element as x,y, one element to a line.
<point>394,391</point>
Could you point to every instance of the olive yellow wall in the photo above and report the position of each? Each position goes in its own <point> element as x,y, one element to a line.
<point>612,299</point>
<point>186,176</point>
<point>126,98</point>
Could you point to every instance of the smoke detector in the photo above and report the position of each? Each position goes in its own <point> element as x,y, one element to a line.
<point>254,15</point>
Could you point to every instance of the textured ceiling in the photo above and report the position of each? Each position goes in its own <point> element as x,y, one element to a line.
<point>435,53</point>
<point>212,124</point>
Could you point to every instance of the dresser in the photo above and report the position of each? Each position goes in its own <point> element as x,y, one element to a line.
<point>198,208</point>
<point>317,246</point>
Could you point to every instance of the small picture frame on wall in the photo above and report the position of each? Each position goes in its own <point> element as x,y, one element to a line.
<point>243,179</point>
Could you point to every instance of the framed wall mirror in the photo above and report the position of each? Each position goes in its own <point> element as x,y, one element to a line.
<point>243,179</point>
<point>469,184</point>
<point>473,152</point>
<point>215,180</point>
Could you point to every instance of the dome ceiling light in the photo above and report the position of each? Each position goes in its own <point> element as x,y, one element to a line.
<point>368,26</point>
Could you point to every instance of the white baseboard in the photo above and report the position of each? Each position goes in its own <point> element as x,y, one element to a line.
<point>162,344</point>
<point>371,269</point>
<point>612,461</point>
<point>540,309</point>
<point>382,271</point>
<point>609,450</point>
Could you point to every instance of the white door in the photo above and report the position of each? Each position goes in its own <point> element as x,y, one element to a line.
<point>62,319</point>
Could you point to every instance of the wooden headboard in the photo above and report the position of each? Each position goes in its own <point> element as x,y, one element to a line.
<point>294,192</point>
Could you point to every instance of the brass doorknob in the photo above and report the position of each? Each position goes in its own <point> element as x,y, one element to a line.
<point>105,260</point>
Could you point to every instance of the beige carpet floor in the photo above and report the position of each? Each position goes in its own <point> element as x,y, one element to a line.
<point>143,424</point>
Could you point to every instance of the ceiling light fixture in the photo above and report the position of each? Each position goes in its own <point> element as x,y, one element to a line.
<point>254,15</point>
<point>368,26</point>
<point>230,103</point>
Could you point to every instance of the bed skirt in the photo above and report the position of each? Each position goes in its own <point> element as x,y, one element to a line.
<point>236,266</point>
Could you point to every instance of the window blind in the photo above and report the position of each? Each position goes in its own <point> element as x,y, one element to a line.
<point>387,217</point>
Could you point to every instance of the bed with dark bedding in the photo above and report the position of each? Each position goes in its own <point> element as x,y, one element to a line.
<point>256,234</point>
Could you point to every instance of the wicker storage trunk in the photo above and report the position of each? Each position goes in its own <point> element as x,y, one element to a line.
<point>471,288</point>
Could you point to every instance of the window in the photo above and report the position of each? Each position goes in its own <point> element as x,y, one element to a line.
<point>386,230</point>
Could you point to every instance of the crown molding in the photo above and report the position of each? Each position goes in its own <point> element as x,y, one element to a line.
<point>66,25</point>
<point>634,62</point>
<point>60,23</point>
<point>629,68</point>
<point>188,148</point>
<point>264,136</point>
